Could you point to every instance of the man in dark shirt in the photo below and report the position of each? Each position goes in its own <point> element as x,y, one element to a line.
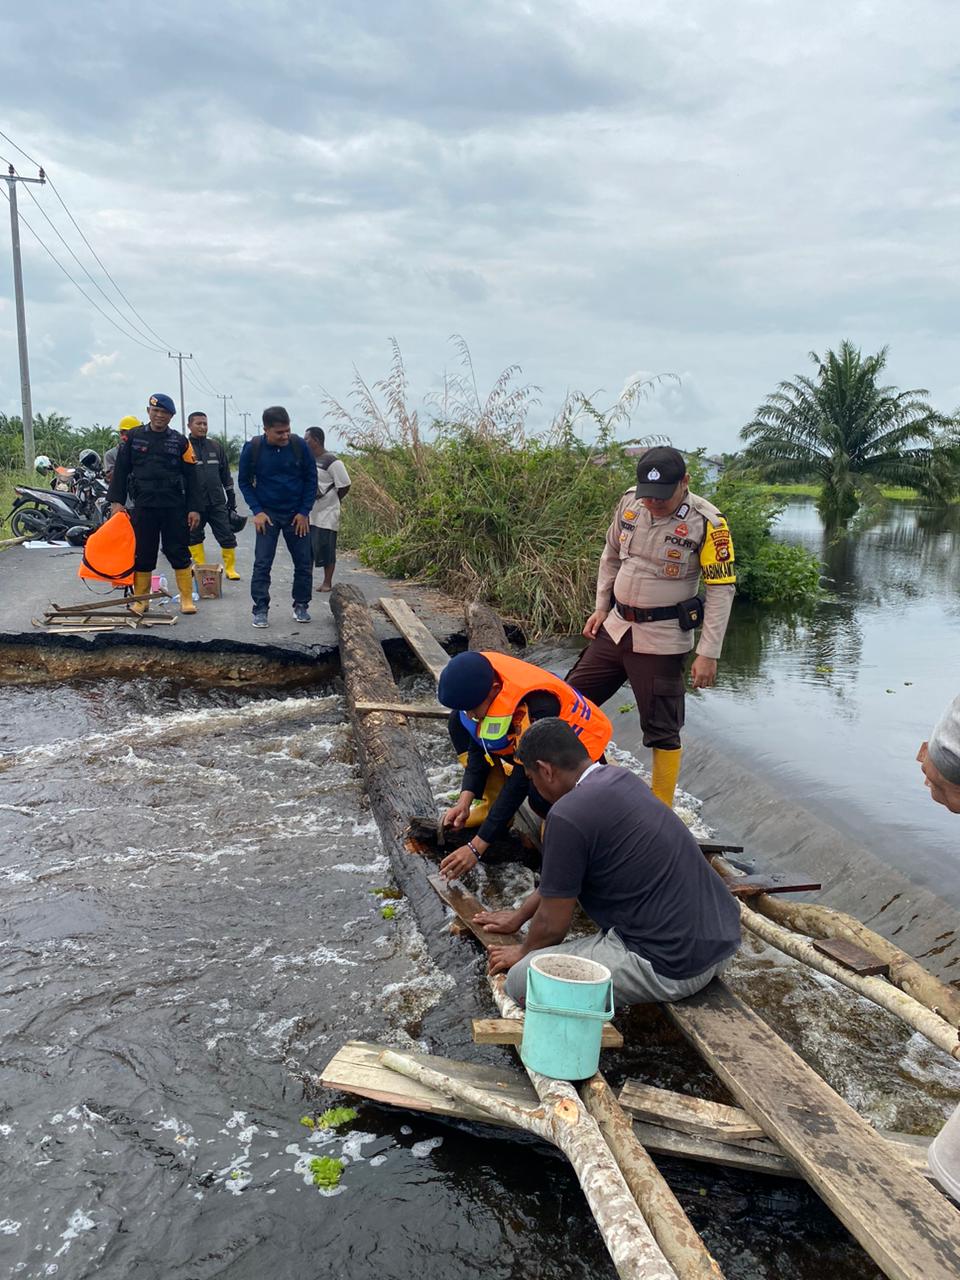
<point>217,496</point>
<point>278,479</point>
<point>667,923</point>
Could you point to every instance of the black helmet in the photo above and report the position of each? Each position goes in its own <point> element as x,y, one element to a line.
<point>90,459</point>
<point>78,535</point>
<point>236,522</point>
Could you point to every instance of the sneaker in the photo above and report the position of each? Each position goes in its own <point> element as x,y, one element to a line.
<point>260,618</point>
<point>300,613</point>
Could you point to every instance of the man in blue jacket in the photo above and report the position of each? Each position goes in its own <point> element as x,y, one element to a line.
<point>278,479</point>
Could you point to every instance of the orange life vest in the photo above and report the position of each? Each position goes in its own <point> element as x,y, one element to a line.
<point>109,551</point>
<point>497,734</point>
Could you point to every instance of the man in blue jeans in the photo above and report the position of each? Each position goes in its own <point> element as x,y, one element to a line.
<point>278,479</point>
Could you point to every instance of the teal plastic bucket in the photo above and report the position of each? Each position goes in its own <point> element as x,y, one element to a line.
<point>569,999</point>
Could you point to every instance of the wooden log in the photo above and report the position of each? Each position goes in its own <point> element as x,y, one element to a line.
<point>510,1031</point>
<point>885,994</point>
<point>6,543</point>
<point>392,769</point>
<point>429,650</point>
<point>905,1225</point>
<point>485,629</point>
<point>561,1119</point>
<point>824,922</point>
<point>466,907</point>
<point>672,1229</point>
<point>415,709</point>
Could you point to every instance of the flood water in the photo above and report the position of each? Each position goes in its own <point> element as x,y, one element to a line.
<point>833,706</point>
<point>188,934</point>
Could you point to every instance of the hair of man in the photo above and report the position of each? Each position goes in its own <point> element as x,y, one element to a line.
<point>276,416</point>
<point>197,413</point>
<point>551,741</point>
<point>316,433</point>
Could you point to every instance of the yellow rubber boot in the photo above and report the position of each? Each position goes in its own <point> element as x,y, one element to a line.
<point>141,586</point>
<point>198,553</point>
<point>480,808</point>
<point>666,770</point>
<point>230,563</point>
<point>185,585</point>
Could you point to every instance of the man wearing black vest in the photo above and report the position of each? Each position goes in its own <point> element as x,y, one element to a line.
<point>156,467</point>
<point>217,496</point>
<point>333,485</point>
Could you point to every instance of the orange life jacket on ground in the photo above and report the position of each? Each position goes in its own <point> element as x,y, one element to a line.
<point>109,551</point>
<point>497,733</point>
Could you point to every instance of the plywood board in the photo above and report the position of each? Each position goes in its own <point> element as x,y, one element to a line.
<point>907,1227</point>
<point>859,959</point>
<point>466,907</point>
<point>429,650</point>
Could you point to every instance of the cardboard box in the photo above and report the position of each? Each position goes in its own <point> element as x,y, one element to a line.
<point>209,580</point>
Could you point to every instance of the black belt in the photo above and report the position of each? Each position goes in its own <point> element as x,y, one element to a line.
<point>647,615</point>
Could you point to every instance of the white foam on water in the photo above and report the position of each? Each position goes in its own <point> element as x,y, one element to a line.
<point>77,1225</point>
<point>9,1227</point>
<point>420,1150</point>
<point>352,1143</point>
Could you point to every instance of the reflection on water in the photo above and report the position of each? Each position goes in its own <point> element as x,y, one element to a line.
<point>835,704</point>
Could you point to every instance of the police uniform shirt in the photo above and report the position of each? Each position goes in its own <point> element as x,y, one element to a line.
<point>649,562</point>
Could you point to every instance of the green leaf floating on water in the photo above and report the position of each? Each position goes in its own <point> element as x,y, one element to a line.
<point>388,913</point>
<point>387,891</point>
<point>326,1171</point>
<point>335,1117</point>
<point>627,706</point>
<point>823,670</point>
<point>308,1121</point>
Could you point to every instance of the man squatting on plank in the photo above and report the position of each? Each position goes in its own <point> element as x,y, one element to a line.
<point>667,922</point>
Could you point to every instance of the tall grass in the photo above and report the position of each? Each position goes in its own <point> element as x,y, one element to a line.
<point>478,504</point>
<point>9,477</point>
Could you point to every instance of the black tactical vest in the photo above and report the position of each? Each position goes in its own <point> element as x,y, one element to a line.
<point>156,470</point>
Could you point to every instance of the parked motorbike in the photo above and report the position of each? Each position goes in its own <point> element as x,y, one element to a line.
<point>49,515</point>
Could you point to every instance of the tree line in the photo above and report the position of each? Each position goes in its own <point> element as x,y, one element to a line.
<point>56,436</point>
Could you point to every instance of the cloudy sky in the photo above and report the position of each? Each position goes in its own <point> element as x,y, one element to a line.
<point>591,189</point>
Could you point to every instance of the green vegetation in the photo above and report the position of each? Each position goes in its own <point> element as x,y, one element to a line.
<point>54,435</point>
<point>387,891</point>
<point>335,1117</point>
<point>852,436</point>
<point>326,1171</point>
<point>484,508</point>
<point>388,913</point>
<point>9,477</point>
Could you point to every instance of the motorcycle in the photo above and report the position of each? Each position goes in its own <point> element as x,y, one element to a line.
<point>49,515</point>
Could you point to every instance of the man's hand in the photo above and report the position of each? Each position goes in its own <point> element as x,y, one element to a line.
<point>500,959</point>
<point>116,507</point>
<point>458,813</point>
<point>703,673</point>
<point>301,525</point>
<point>499,921</point>
<point>458,863</point>
<point>193,519</point>
<point>591,628</point>
<point>260,522</point>
<point>231,501</point>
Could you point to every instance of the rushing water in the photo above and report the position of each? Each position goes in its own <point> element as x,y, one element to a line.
<point>188,935</point>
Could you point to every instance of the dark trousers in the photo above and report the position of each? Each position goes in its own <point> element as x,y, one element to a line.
<point>655,678</point>
<point>324,543</point>
<point>265,549</point>
<point>152,525</point>
<point>217,518</point>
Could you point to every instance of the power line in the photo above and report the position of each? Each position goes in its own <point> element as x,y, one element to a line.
<point>205,376</point>
<point>76,283</point>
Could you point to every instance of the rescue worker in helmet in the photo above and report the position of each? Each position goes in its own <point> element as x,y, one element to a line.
<point>156,467</point>
<point>217,495</point>
<point>494,698</point>
<point>124,427</point>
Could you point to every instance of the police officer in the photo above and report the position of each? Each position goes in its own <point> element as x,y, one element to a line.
<point>662,540</point>
<point>157,468</point>
<point>217,496</point>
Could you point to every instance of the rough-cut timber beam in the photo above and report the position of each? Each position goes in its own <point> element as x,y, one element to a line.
<point>485,629</point>
<point>392,769</point>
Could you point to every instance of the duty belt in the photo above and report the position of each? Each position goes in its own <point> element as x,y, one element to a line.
<point>647,615</point>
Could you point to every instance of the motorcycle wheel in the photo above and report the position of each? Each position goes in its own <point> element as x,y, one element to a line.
<point>28,520</point>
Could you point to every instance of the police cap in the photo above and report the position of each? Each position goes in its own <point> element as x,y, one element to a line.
<point>659,472</point>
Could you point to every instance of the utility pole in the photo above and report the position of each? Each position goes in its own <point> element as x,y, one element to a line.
<point>26,402</point>
<point>180,356</point>
<point>245,415</point>
<point>224,399</point>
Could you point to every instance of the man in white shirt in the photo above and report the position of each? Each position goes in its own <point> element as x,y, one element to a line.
<point>333,486</point>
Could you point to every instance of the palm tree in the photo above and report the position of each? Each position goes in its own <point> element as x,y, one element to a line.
<point>843,428</point>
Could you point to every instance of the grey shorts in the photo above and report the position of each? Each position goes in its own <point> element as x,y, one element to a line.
<point>324,546</point>
<point>635,981</point>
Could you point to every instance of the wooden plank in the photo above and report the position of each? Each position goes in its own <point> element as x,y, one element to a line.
<point>754,1157</point>
<point>689,1115</point>
<point>356,1069</point>
<point>859,959</point>
<point>774,882</point>
<point>405,709</point>
<point>710,847</point>
<point>907,1227</point>
<point>430,652</point>
<point>466,907</point>
<point>510,1031</point>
